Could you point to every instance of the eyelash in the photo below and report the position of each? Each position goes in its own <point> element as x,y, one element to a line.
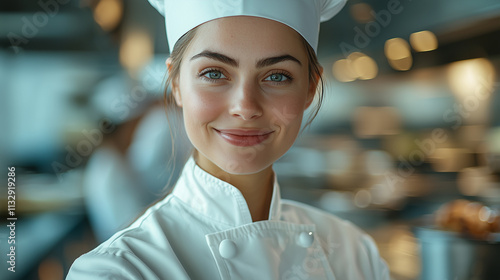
<point>206,71</point>
<point>287,75</point>
<point>202,74</point>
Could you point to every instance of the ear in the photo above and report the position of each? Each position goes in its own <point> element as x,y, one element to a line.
<point>174,84</point>
<point>313,87</point>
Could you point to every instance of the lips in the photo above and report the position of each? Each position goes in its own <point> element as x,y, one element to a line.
<point>244,137</point>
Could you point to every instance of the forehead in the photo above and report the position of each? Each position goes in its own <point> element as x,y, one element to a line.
<point>247,37</point>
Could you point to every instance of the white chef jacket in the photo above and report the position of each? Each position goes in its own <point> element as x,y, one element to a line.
<point>204,230</point>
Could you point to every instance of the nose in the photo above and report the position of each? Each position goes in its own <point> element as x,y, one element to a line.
<point>245,102</point>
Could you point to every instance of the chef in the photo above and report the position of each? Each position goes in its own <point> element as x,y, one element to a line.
<point>243,72</point>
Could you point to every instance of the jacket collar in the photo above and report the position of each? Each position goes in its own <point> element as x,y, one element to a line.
<point>216,199</point>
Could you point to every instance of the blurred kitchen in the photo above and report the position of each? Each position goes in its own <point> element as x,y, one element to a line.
<point>406,144</point>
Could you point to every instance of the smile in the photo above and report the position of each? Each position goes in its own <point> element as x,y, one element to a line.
<point>244,137</point>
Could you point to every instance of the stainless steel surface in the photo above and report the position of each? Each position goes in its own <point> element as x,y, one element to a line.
<point>451,255</point>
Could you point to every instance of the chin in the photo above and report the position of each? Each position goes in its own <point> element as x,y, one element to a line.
<point>243,166</point>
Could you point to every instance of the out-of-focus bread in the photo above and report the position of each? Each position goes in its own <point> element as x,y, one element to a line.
<point>471,218</point>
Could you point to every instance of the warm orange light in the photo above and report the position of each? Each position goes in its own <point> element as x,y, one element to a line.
<point>423,41</point>
<point>343,71</point>
<point>403,64</point>
<point>108,14</point>
<point>473,77</point>
<point>398,54</point>
<point>136,50</point>
<point>365,67</point>
<point>396,49</point>
<point>357,66</point>
<point>362,12</point>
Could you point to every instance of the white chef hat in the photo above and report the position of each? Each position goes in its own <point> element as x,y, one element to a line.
<point>304,16</point>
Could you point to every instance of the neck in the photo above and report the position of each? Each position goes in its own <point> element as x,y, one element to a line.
<point>256,188</point>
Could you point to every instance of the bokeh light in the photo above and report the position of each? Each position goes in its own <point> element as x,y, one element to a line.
<point>136,50</point>
<point>365,67</point>
<point>423,41</point>
<point>344,71</point>
<point>108,13</point>
<point>398,54</point>
<point>473,77</point>
<point>362,12</point>
<point>357,65</point>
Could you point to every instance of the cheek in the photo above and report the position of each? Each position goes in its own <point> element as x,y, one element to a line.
<point>287,112</point>
<point>201,106</point>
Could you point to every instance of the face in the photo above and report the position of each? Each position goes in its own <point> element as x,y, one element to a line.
<point>243,87</point>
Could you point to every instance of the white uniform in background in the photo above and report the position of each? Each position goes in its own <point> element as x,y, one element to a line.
<point>204,230</point>
<point>113,195</point>
<point>150,152</point>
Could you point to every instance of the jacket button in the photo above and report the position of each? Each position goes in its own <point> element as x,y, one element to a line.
<point>227,249</point>
<point>306,239</point>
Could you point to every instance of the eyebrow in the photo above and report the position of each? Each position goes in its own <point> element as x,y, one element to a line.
<point>233,62</point>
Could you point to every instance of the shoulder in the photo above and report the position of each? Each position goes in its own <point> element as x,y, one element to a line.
<point>360,256</point>
<point>140,251</point>
<point>112,263</point>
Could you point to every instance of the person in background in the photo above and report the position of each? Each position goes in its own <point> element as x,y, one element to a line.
<point>243,73</point>
<point>111,187</point>
<point>134,164</point>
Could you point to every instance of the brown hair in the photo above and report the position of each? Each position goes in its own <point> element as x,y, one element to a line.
<point>176,56</point>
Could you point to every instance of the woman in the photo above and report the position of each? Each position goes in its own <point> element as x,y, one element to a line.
<point>243,73</point>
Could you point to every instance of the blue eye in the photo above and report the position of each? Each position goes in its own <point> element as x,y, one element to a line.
<point>213,75</point>
<point>277,77</point>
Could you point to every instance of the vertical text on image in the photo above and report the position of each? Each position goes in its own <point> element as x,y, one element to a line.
<point>11,218</point>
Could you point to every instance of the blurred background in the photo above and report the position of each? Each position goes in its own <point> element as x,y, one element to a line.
<point>406,144</point>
